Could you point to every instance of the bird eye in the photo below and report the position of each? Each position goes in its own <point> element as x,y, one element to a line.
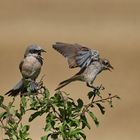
<point>35,52</point>
<point>32,51</point>
<point>105,62</point>
<point>39,53</point>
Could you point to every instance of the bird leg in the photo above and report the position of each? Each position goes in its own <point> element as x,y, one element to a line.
<point>95,88</point>
<point>33,86</point>
<point>91,86</point>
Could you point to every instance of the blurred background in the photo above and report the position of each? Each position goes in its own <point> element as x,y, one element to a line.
<point>110,26</point>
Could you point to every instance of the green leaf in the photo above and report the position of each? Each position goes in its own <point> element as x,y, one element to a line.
<point>84,121</point>
<point>23,104</point>
<point>62,111</point>
<point>3,115</point>
<point>44,138</point>
<point>94,118</point>
<point>110,103</point>
<point>23,101</point>
<point>80,103</point>
<point>25,128</point>
<point>48,127</point>
<point>102,108</point>
<point>54,136</point>
<point>47,93</point>
<point>34,115</point>
<point>19,115</point>
<point>91,94</point>
<point>57,100</point>
<point>1,99</point>
<point>74,122</point>
<point>118,97</point>
<point>83,135</point>
<point>73,132</point>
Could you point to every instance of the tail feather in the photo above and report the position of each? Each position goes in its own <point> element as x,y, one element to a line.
<point>66,82</point>
<point>16,90</point>
<point>12,92</point>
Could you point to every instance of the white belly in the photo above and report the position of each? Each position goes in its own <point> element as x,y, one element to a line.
<point>90,73</point>
<point>31,67</point>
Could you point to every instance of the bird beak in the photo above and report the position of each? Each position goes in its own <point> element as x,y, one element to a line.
<point>43,50</point>
<point>110,68</point>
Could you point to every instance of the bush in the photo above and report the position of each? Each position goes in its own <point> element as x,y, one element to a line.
<point>65,118</point>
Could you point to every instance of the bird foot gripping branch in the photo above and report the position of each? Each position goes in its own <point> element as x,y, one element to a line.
<point>33,87</point>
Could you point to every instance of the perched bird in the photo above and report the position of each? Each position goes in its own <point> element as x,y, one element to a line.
<point>77,55</point>
<point>30,68</point>
<point>89,61</point>
<point>88,74</point>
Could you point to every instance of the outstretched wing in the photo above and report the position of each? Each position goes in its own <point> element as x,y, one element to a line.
<point>77,55</point>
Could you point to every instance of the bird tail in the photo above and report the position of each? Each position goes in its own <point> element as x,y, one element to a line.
<point>18,88</point>
<point>66,82</point>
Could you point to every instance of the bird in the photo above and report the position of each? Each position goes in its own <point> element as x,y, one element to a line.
<point>88,74</point>
<point>87,59</point>
<point>30,68</point>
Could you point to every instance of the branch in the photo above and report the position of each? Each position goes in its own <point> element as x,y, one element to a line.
<point>10,116</point>
<point>3,126</point>
<point>91,104</point>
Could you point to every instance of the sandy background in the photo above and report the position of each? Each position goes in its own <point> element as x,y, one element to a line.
<point>110,26</point>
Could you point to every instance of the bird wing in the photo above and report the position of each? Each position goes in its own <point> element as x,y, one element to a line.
<point>20,65</point>
<point>77,55</point>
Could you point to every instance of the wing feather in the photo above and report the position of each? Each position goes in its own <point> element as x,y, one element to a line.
<point>77,55</point>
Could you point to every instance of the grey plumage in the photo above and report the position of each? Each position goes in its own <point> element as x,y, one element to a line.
<point>30,68</point>
<point>88,74</point>
<point>87,59</point>
<point>77,55</point>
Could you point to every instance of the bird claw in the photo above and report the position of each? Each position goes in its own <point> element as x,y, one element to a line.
<point>33,86</point>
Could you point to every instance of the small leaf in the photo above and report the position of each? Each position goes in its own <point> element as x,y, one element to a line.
<point>23,104</point>
<point>44,137</point>
<point>83,135</point>
<point>23,101</point>
<point>91,94</point>
<point>62,111</point>
<point>25,128</point>
<point>74,122</point>
<point>118,97</point>
<point>75,131</point>
<point>1,99</point>
<point>102,108</point>
<point>3,115</point>
<point>34,115</point>
<point>84,121</point>
<point>19,115</point>
<point>94,118</point>
<point>54,136</point>
<point>48,127</point>
<point>80,103</point>
<point>110,103</point>
<point>47,93</point>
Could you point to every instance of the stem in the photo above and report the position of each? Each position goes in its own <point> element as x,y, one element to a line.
<point>8,112</point>
<point>3,126</point>
<point>85,109</point>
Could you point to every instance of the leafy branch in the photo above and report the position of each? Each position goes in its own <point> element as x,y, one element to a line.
<point>65,118</point>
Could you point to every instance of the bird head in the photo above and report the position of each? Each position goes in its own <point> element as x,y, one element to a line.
<point>106,65</point>
<point>34,49</point>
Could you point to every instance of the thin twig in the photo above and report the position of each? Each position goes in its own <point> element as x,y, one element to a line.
<point>85,109</point>
<point>8,112</point>
<point>3,126</point>
<point>54,110</point>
